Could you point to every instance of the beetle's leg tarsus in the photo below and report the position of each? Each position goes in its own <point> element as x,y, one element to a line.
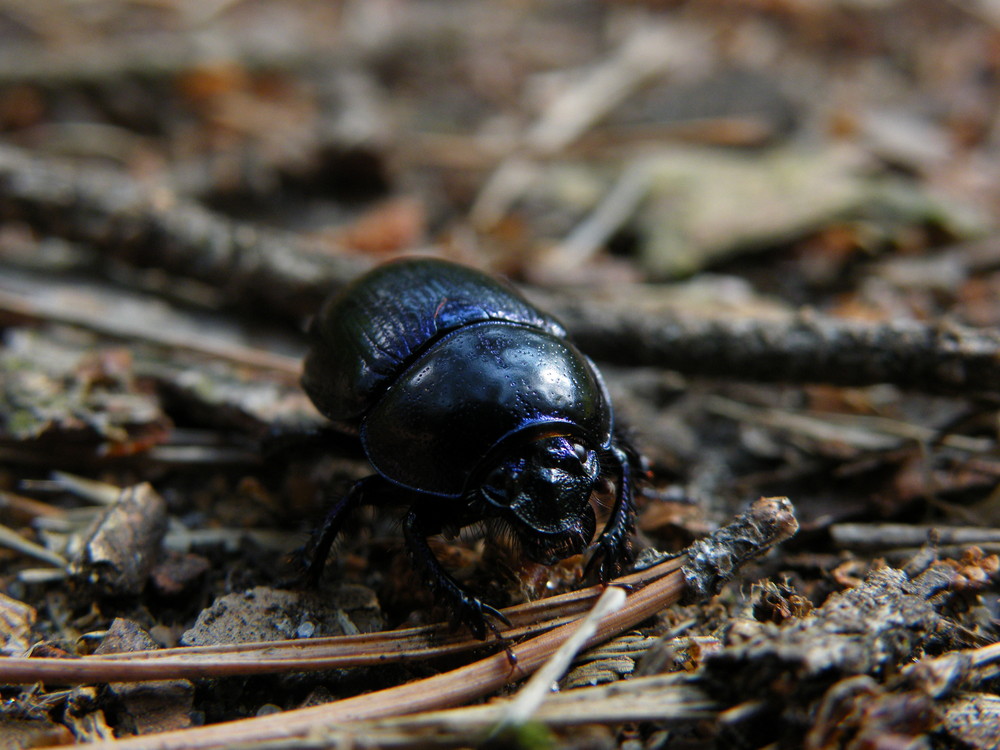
<point>493,612</point>
<point>613,549</point>
<point>469,610</point>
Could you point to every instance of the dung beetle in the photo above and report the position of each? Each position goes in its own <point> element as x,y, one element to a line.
<point>471,405</point>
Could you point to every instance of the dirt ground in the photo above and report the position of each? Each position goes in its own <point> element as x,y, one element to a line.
<point>772,225</point>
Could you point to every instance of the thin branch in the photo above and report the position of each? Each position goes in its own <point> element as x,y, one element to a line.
<point>802,348</point>
<point>858,430</point>
<point>145,227</point>
<point>14,541</point>
<point>151,57</point>
<point>868,537</point>
<point>955,671</point>
<point>132,317</point>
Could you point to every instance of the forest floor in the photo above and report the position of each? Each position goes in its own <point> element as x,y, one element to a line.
<point>773,225</point>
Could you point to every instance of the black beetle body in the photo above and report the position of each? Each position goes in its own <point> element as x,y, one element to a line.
<point>471,404</point>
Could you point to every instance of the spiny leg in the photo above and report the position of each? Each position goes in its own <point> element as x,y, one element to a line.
<point>470,610</point>
<point>613,547</point>
<point>361,493</point>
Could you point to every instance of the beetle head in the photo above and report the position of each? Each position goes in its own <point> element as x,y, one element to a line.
<point>543,490</point>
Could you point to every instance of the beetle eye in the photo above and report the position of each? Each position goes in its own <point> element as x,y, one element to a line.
<point>567,454</point>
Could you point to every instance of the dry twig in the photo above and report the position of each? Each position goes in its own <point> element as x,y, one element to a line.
<point>802,348</point>
<point>148,228</point>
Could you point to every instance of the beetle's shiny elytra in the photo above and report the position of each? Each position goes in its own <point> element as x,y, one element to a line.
<point>471,404</point>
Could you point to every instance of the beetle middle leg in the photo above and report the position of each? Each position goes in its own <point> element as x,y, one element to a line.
<point>469,609</point>
<point>613,547</point>
<point>362,492</point>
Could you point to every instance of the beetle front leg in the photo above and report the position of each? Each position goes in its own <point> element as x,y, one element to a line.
<point>613,549</point>
<point>469,610</point>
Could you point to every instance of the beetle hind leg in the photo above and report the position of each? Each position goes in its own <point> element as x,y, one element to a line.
<point>469,609</point>
<point>361,493</point>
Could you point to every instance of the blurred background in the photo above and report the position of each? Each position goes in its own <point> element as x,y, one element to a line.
<point>559,142</point>
<point>182,183</point>
<point>200,175</point>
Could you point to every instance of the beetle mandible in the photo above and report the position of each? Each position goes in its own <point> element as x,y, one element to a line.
<point>471,405</point>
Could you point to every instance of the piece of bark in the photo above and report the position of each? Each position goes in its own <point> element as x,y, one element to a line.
<point>17,733</point>
<point>866,633</point>
<point>973,720</point>
<point>122,546</point>
<point>859,631</point>
<point>716,559</point>
<point>16,622</point>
